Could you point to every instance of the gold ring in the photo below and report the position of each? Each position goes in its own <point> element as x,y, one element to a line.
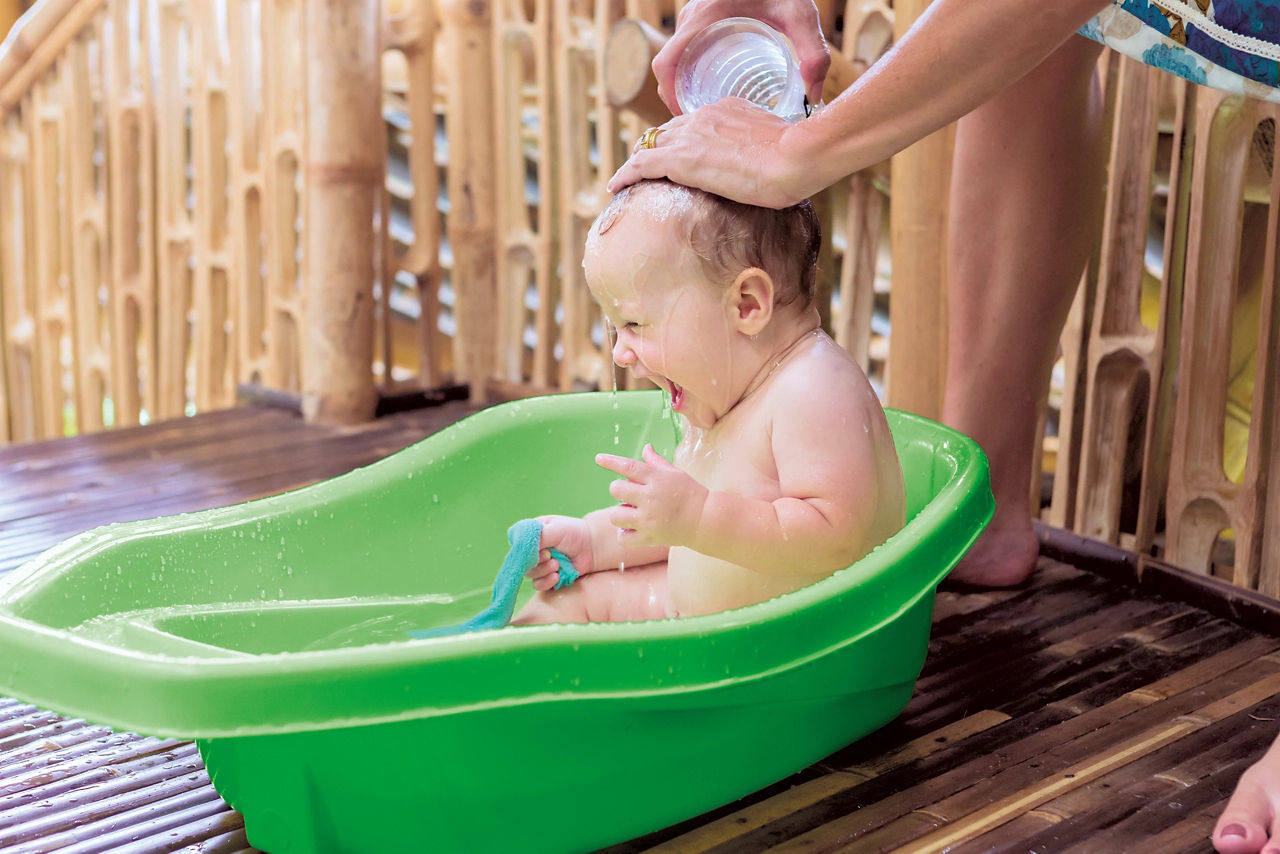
<point>649,139</point>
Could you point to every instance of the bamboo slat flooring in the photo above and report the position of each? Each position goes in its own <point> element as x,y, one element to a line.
<point>1073,715</point>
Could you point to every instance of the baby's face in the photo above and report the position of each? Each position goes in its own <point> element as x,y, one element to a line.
<point>673,325</point>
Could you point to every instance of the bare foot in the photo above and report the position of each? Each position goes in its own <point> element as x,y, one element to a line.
<point>1004,556</point>
<point>1251,821</point>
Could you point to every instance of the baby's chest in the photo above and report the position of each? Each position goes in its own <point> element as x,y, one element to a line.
<point>740,462</point>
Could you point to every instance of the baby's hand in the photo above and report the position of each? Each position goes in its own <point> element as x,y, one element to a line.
<point>566,534</point>
<point>661,505</point>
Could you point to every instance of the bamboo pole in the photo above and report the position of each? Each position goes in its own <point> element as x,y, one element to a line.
<point>1264,447</point>
<point>85,239</point>
<point>36,42</point>
<point>26,31</point>
<point>1159,434</point>
<point>1201,501</point>
<point>472,190</point>
<point>344,185</point>
<point>212,287</point>
<point>868,31</point>
<point>284,193</point>
<point>131,161</point>
<point>10,12</point>
<point>245,193</point>
<point>51,305</point>
<point>412,29</point>
<point>17,263</point>
<point>1123,353</point>
<point>173,221</point>
<point>921,176</point>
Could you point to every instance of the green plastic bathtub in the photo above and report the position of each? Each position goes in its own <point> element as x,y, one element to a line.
<point>273,633</point>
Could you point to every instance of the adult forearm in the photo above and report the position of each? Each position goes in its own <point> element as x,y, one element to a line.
<point>956,56</point>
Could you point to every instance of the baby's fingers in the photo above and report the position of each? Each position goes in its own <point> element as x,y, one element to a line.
<point>544,566</point>
<point>626,491</point>
<point>546,582</point>
<point>625,466</point>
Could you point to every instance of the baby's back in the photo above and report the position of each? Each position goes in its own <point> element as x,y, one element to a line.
<point>814,431</point>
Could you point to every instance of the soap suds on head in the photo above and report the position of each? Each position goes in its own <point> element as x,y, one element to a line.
<point>663,201</point>
<point>659,201</point>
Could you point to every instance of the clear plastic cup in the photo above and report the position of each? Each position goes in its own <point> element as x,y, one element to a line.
<point>741,58</point>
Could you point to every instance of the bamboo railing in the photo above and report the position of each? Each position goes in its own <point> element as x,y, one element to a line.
<point>153,166</point>
<point>337,201</point>
<point>1153,382</point>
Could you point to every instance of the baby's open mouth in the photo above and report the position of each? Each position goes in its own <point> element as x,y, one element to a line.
<point>677,396</point>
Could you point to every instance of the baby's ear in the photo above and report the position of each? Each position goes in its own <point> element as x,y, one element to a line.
<point>752,300</point>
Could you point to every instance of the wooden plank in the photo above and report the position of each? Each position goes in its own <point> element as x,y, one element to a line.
<point>759,814</point>
<point>871,807</point>
<point>216,477</point>
<point>1038,781</point>
<point>1137,800</point>
<point>1190,834</point>
<point>1150,576</point>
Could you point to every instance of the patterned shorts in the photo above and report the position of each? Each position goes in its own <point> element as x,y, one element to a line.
<point>1233,45</point>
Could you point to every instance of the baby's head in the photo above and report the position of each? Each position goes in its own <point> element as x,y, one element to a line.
<point>726,237</point>
<point>701,290</point>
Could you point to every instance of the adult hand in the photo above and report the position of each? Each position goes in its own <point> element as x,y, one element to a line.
<point>568,535</point>
<point>731,148</point>
<point>661,505</point>
<point>797,19</point>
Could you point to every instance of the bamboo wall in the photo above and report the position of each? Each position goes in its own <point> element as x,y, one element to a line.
<point>1166,432</point>
<point>183,209</point>
<point>151,158</point>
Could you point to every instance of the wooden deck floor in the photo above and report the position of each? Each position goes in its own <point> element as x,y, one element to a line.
<point>1076,714</point>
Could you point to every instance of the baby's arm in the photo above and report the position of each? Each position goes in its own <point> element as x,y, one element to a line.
<point>827,472</point>
<point>591,544</point>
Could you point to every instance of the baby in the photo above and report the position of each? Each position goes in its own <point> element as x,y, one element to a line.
<point>785,471</point>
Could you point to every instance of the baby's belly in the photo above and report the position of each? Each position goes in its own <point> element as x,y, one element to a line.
<point>704,585</point>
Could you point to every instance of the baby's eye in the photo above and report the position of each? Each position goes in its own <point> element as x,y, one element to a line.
<point>631,324</point>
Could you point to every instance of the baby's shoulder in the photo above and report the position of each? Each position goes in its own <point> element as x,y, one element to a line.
<point>823,375</point>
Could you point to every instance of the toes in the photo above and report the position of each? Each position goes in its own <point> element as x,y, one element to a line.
<point>1237,837</point>
<point>1242,829</point>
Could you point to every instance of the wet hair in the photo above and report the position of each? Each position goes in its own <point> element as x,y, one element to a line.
<point>730,237</point>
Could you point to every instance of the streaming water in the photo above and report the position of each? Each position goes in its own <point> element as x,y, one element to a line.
<point>611,336</point>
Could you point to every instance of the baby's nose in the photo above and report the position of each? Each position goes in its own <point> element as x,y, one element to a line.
<point>623,356</point>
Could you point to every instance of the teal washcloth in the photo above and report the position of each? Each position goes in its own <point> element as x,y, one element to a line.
<point>525,537</point>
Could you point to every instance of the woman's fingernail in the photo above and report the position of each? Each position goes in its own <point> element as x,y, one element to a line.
<point>1234,830</point>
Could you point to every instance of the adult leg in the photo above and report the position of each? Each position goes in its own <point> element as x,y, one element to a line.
<point>1026,204</point>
